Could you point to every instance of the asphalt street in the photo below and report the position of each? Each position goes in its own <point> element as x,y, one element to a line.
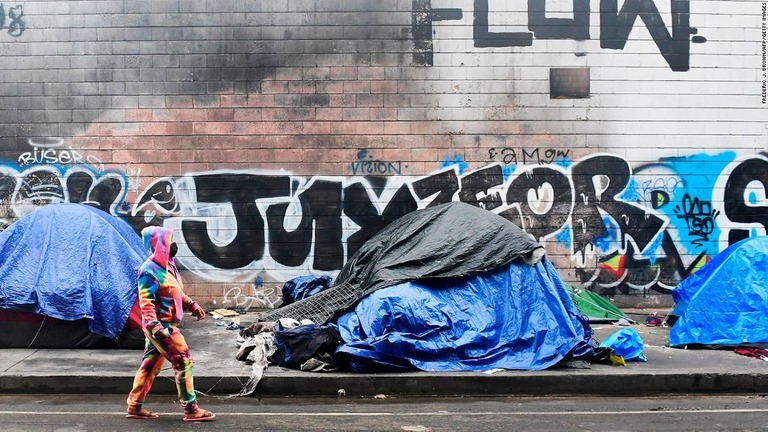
<point>70,413</point>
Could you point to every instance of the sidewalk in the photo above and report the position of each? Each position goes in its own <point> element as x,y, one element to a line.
<point>217,372</point>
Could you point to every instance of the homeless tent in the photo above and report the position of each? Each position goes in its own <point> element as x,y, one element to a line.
<point>451,287</point>
<point>68,280</point>
<point>725,303</point>
<point>594,307</point>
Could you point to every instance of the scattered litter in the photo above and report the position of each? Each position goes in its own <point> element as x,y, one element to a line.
<point>380,396</point>
<point>625,343</point>
<point>220,323</point>
<point>617,360</point>
<point>341,393</point>
<point>753,352</point>
<point>255,351</point>
<point>416,428</point>
<point>225,312</point>
<point>653,321</point>
<point>575,364</point>
<point>622,323</point>
<point>233,326</point>
<point>493,371</point>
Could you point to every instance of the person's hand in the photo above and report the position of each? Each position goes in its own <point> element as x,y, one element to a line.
<point>163,334</point>
<point>198,312</point>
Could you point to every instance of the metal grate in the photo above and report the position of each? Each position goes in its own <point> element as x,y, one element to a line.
<point>318,308</point>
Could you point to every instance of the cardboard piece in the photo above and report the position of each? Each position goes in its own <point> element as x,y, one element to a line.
<point>226,312</point>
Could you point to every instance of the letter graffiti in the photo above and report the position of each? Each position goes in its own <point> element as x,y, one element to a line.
<point>615,26</point>
<point>240,195</point>
<point>743,198</point>
<point>525,156</point>
<point>421,28</point>
<point>21,192</point>
<point>291,225</point>
<point>15,14</point>
<point>262,298</point>
<point>699,216</point>
<point>366,165</point>
<point>50,151</point>
<point>642,230</point>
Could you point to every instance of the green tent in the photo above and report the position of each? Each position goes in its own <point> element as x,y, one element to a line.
<point>593,306</point>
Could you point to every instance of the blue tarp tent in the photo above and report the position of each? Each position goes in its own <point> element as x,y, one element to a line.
<point>452,287</point>
<point>71,262</point>
<point>725,303</point>
<point>519,316</point>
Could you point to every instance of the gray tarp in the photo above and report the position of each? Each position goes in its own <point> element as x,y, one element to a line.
<point>449,240</point>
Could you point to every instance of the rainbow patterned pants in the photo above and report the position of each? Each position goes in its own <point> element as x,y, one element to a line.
<point>177,352</point>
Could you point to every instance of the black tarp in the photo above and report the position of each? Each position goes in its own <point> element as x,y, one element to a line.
<point>450,240</point>
<point>446,241</point>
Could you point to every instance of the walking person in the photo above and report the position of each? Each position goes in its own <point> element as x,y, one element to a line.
<point>162,301</point>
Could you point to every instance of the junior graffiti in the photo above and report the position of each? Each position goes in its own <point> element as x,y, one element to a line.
<point>596,211</point>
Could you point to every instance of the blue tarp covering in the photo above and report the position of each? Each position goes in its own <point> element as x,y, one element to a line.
<point>71,261</point>
<point>301,287</point>
<point>726,301</point>
<point>626,343</point>
<point>515,317</point>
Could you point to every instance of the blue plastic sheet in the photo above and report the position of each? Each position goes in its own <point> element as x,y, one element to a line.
<point>71,261</point>
<point>516,317</point>
<point>302,287</point>
<point>626,343</point>
<point>726,301</point>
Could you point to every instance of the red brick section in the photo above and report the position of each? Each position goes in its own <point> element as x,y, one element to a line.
<point>295,113</point>
<point>303,113</point>
<point>307,122</point>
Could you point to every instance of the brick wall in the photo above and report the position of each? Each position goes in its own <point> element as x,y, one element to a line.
<point>275,137</point>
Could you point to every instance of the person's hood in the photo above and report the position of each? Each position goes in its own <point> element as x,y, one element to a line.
<point>158,241</point>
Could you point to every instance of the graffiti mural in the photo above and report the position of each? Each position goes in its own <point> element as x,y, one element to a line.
<point>366,164</point>
<point>261,298</point>
<point>22,191</point>
<point>14,15</point>
<point>617,19</point>
<point>622,229</point>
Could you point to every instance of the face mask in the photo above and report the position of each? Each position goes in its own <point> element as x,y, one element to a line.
<point>174,249</point>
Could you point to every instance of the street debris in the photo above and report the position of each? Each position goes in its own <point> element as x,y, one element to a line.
<point>414,298</point>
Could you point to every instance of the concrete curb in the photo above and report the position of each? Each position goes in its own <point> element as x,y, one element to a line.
<point>217,372</point>
<point>412,384</point>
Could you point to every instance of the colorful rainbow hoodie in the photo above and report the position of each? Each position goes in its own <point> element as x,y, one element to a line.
<point>161,297</point>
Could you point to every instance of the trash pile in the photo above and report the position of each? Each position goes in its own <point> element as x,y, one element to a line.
<point>449,288</point>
